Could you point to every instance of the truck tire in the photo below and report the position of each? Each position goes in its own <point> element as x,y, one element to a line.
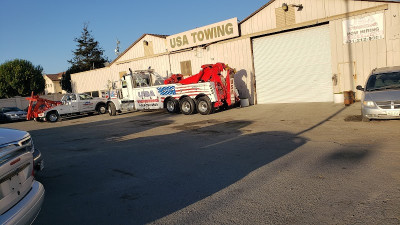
<point>112,111</point>
<point>187,105</point>
<point>204,105</point>
<point>172,105</point>
<point>52,117</point>
<point>101,109</point>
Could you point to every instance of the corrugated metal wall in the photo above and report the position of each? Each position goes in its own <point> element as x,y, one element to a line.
<point>137,51</point>
<point>159,64</point>
<point>312,9</point>
<point>360,58</point>
<point>392,17</point>
<point>92,80</point>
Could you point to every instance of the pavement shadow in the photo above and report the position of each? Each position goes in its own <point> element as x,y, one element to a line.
<point>141,178</point>
<point>322,122</point>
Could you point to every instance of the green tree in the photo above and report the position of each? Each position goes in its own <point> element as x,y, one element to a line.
<point>88,54</point>
<point>20,77</point>
<point>65,81</point>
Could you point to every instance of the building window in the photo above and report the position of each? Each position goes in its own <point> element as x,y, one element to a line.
<point>186,68</point>
<point>148,48</point>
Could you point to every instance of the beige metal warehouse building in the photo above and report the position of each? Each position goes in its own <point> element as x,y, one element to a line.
<point>286,51</point>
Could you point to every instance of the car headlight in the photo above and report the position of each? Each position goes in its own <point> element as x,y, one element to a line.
<point>369,103</point>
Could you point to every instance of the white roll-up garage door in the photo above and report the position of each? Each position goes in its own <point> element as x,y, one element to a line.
<point>294,66</point>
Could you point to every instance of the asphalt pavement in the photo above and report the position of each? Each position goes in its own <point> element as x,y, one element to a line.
<point>310,163</point>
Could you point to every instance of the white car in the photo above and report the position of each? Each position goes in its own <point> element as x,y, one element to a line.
<point>21,196</point>
<point>381,94</point>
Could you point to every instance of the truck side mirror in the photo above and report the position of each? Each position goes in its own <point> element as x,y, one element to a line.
<point>360,88</point>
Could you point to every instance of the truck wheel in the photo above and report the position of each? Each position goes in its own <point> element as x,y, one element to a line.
<point>187,105</point>
<point>204,106</point>
<point>172,105</point>
<point>101,109</point>
<point>111,109</point>
<point>52,117</point>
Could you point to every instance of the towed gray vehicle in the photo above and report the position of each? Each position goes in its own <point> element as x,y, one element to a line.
<point>8,114</point>
<point>21,196</point>
<point>381,94</point>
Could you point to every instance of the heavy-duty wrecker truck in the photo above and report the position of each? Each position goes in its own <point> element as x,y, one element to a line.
<point>212,88</point>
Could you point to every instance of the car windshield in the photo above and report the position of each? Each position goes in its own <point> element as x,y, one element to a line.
<point>10,109</point>
<point>383,81</point>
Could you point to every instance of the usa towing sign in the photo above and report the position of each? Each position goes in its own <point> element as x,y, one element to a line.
<point>204,35</point>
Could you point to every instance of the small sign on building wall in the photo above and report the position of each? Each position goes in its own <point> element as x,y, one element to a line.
<point>365,28</point>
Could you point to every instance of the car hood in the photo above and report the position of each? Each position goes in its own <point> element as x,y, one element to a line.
<point>11,135</point>
<point>380,96</point>
<point>16,112</point>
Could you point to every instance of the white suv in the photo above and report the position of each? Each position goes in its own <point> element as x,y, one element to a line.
<point>21,196</point>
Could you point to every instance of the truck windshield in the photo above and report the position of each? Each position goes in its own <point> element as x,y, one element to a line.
<point>142,79</point>
<point>158,80</point>
<point>146,78</point>
<point>383,81</point>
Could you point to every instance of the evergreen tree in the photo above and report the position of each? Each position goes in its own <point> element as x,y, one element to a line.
<point>20,77</point>
<point>65,81</point>
<point>88,55</point>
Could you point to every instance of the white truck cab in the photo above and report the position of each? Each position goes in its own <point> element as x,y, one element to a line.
<point>136,92</point>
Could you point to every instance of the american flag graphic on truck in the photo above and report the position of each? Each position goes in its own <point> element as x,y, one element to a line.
<point>176,91</point>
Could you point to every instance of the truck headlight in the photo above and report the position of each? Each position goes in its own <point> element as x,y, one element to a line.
<point>369,103</point>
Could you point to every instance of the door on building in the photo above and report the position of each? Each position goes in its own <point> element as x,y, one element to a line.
<point>294,66</point>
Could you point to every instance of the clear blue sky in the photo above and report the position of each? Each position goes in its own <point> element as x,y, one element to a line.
<point>43,31</point>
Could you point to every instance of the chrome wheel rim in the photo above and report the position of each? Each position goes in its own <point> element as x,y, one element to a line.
<point>186,107</point>
<point>102,109</point>
<point>53,117</point>
<point>170,106</point>
<point>203,106</point>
